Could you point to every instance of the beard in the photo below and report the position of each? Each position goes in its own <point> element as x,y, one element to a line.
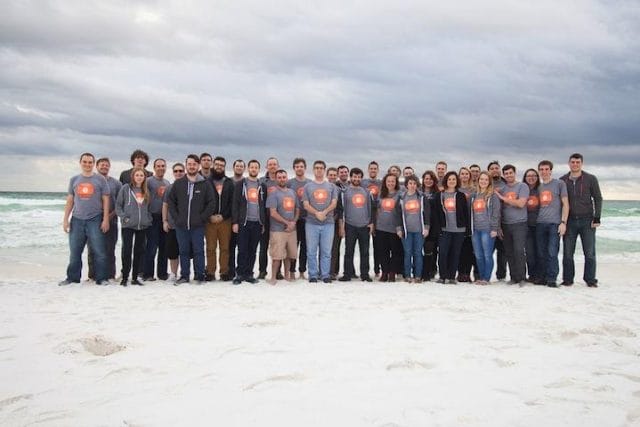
<point>217,175</point>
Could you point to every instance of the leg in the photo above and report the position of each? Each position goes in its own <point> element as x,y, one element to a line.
<point>96,240</point>
<point>443,259</point>
<point>127,247</point>
<point>553,248</point>
<point>197,245</point>
<point>363,246</point>
<point>162,254</point>
<point>264,245</point>
<point>77,241</point>
<point>519,241</point>
<point>457,240</point>
<point>210,233</point>
<point>569,248</point>
<point>138,252</point>
<point>224,237</point>
<point>312,234</point>
<point>418,242</point>
<point>588,240</point>
<point>326,240</point>
<point>351,235</point>
<point>501,259</point>
<point>255,237</point>
<point>233,244</point>
<point>406,246</point>
<point>478,250</point>
<point>184,248</point>
<point>531,252</point>
<point>153,239</point>
<point>542,250</point>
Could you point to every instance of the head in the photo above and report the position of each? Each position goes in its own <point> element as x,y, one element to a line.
<point>272,165</point>
<point>407,171</point>
<point>219,165</point>
<point>332,175</point>
<point>238,167</point>
<point>531,178</point>
<point>430,182</point>
<point>494,169</point>
<point>103,165</point>
<point>465,176</point>
<point>343,173</point>
<point>281,178</point>
<point>411,183</point>
<point>319,169</point>
<point>178,170</point>
<point>205,161</point>
<point>159,167</point>
<point>544,169</point>
<point>253,167</point>
<point>485,183</point>
<point>441,169</point>
<point>475,172</point>
<point>395,170</point>
<point>192,165</point>
<point>87,160</point>
<point>373,169</point>
<point>139,159</point>
<point>451,181</point>
<point>389,185</point>
<point>299,167</point>
<point>509,173</point>
<point>575,162</point>
<point>356,176</point>
<point>138,177</point>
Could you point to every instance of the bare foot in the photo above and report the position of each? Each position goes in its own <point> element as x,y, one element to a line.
<point>272,281</point>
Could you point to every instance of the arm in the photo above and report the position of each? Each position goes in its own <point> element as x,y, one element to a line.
<point>596,195</point>
<point>562,228</point>
<point>105,213</point>
<point>68,207</point>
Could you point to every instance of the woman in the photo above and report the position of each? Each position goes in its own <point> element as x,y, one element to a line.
<point>467,258</point>
<point>485,221</point>
<point>132,206</point>
<point>413,211</point>
<point>430,192</point>
<point>388,244</point>
<point>532,179</point>
<point>452,216</point>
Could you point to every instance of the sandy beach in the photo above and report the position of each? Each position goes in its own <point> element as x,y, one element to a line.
<point>300,354</point>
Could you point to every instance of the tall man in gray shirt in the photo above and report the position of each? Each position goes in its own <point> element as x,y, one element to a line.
<point>156,236</point>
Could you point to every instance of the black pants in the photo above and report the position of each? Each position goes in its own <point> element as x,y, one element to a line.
<point>263,261</point>
<point>335,251</point>
<point>233,244</point>
<point>249,235</point>
<point>353,235</point>
<point>501,264</point>
<point>450,248</point>
<point>430,263</point>
<point>389,250</point>
<point>128,235</point>
<point>467,258</point>
<point>301,235</point>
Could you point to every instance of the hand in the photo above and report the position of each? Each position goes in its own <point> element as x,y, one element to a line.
<point>341,231</point>
<point>234,228</point>
<point>562,229</point>
<point>105,225</point>
<point>65,225</point>
<point>372,229</point>
<point>493,234</point>
<point>165,226</point>
<point>425,232</point>
<point>399,233</point>
<point>595,224</point>
<point>321,216</point>
<point>500,234</point>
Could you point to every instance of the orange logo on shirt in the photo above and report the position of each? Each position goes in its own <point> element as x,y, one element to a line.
<point>373,189</point>
<point>450,205</point>
<point>546,197</point>
<point>357,200</point>
<point>289,204</point>
<point>532,202</point>
<point>300,192</point>
<point>511,195</point>
<point>388,204</point>
<point>479,205</point>
<point>85,190</point>
<point>160,191</point>
<point>140,198</point>
<point>219,188</point>
<point>320,195</point>
<point>252,195</point>
<point>271,189</point>
<point>412,206</point>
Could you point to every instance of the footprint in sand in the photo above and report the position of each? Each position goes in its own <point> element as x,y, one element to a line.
<point>97,345</point>
<point>11,400</point>
<point>410,365</point>
<point>261,324</point>
<point>274,379</point>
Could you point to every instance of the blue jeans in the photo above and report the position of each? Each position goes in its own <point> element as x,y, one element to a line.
<point>450,248</point>
<point>156,242</point>
<point>548,241</point>
<point>191,242</point>
<point>319,238</point>
<point>85,231</point>
<point>483,249</point>
<point>579,227</point>
<point>412,245</point>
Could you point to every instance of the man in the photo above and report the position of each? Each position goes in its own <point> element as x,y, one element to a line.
<point>269,180</point>
<point>284,210</point>
<point>493,168</point>
<point>332,175</point>
<point>343,176</point>
<point>551,224</point>
<point>394,170</point>
<point>514,196</point>
<point>238,174</point>
<point>191,203</point>
<point>297,184</point>
<point>169,226</point>
<point>218,229</point>
<point>474,169</point>
<point>206,162</point>
<point>441,170</point>
<point>139,159</point>
<point>156,236</point>
<point>248,219</point>
<point>88,206</point>
<point>356,224</point>
<point>407,172</point>
<point>103,166</point>
<point>341,183</point>
<point>374,186</point>
<point>585,207</point>
<point>320,199</point>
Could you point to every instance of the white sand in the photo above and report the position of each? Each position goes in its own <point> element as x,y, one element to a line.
<point>316,355</point>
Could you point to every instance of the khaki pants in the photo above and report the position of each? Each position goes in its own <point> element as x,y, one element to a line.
<point>218,234</point>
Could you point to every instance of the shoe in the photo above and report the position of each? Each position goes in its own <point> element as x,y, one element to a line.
<point>344,279</point>
<point>135,281</point>
<point>279,276</point>
<point>452,282</point>
<point>209,277</point>
<point>417,280</point>
<point>225,277</point>
<point>513,282</point>
<point>171,278</point>
<point>592,284</point>
<point>313,280</point>
<point>326,280</point>
<point>552,284</point>
<point>181,280</point>
<point>366,279</point>
<point>66,282</point>
<point>123,282</point>
<point>566,283</point>
<point>501,279</point>
<point>163,278</point>
<point>251,280</point>
<point>464,278</point>
<point>236,281</point>
<point>262,275</point>
<point>333,277</point>
<point>392,277</point>
<point>408,280</point>
<point>441,281</point>
<point>147,279</point>
<point>302,276</point>
<point>104,282</point>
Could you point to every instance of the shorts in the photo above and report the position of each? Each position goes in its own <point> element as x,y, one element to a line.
<point>283,245</point>
<point>171,245</point>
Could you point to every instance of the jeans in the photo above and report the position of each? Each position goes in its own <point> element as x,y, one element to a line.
<point>111,239</point>
<point>483,248</point>
<point>191,242</point>
<point>138,248</point>
<point>450,247</point>
<point>319,238</point>
<point>302,242</point>
<point>361,235</point>
<point>83,231</point>
<point>579,227</point>
<point>249,234</point>
<point>155,244</point>
<point>515,239</point>
<point>548,241</point>
<point>412,245</point>
<point>466,257</point>
<point>531,251</point>
<point>388,246</point>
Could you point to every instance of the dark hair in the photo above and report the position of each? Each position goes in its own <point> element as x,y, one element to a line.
<point>193,157</point>
<point>384,192</point>
<point>332,169</point>
<point>235,162</point>
<point>524,177</point>
<point>576,156</point>
<point>220,159</point>
<point>320,162</point>
<point>299,160</point>
<point>546,163</point>
<point>410,168</point>
<point>253,161</point>
<point>356,171</point>
<point>412,178</point>
<point>507,167</point>
<point>493,162</point>
<point>445,179</point>
<point>103,159</point>
<point>157,160</point>
<point>87,154</point>
<point>434,178</point>
<point>343,167</point>
<point>139,153</point>
<point>177,164</point>
<point>281,171</point>
<point>373,162</point>
<point>474,166</point>
<point>273,158</point>
<point>205,155</point>
<point>442,162</point>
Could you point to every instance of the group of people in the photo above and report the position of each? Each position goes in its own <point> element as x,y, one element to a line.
<point>445,225</point>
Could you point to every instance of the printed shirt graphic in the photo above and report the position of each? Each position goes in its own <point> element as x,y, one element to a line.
<point>252,195</point>
<point>388,204</point>
<point>532,202</point>
<point>450,204</point>
<point>373,189</point>
<point>284,201</point>
<point>217,184</point>
<point>139,197</point>
<point>479,205</point>
<point>87,192</point>
<point>551,195</point>
<point>320,196</point>
<point>358,200</point>
<point>412,206</point>
<point>387,217</point>
<point>512,214</point>
<point>412,213</point>
<point>546,198</point>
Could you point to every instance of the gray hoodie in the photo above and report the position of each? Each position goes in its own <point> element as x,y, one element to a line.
<point>132,214</point>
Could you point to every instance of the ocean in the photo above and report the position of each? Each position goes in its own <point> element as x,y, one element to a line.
<point>33,221</point>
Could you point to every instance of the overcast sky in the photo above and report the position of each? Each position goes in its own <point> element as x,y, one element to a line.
<point>408,83</point>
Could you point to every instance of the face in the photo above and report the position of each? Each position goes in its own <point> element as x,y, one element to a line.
<point>390,183</point>
<point>159,168</point>
<point>272,166</point>
<point>332,176</point>
<point>192,167</point>
<point>575,165</point>
<point>178,172</point>
<point>411,186</point>
<point>318,171</point>
<point>356,179</point>
<point>509,176</point>
<point>103,168</point>
<point>218,166</point>
<point>407,172</point>
<point>254,169</point>
<point>465,175</point>
<point>138,178</point>
<point>531,178</point>
<point>545,172</point>
<point>494,171</point>
<point>238,168</point>
<point>343,174</point>
<point>451,182</point>
<point>300,169</point>
<point>138,162</point>
<point>427,181</point>
<point>281,179</point>
<point>475,173</point>
<point>86,163</point>
<point>205,163</point>
<point>483,181</point>
<point>394,170</point>
<point>373,171</point>
<point>441,169</point>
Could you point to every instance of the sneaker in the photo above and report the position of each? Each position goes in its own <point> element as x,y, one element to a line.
<point>417,280</point>
<point>366,279</point>
<point>513,282</point>
<point>326,280</point>
<point>384,277</point>
<point>262,275</point>
<point>236,281</point>
<point>566,283</point>
<point>552,284</point>
<point>225,277</point>
<point>123,282</point>
<point>171,277</point>
<point>344,279</point>
<point>209,277</point>
<point>302,276</point>
<point>392,277</point>
<point>313,280</point>
<point>441,281</point>
<point>137,282</point>
<point>279,276</point>
<point>181,280</point>
<point>452,282</point>
<point>251,280</point>
<point>65,282</point>
<point>592,284</point>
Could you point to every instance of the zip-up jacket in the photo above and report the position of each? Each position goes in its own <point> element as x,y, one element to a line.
<point>425,212</point>
<point>439,217</point>
<point>224,200</point>
<point>239,205</point>
<point>492,208</point>
<point>585,198</point>
<point>191,203</point>
<point>131,213</point>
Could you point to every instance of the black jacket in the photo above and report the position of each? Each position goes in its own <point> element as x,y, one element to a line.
<point>239,205</point>
<point>585,199</point>
<point>438,217</point>
<point>189,212</point>
<point>224,200</point>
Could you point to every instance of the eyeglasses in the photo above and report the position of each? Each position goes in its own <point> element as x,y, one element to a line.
<point>178,171</point>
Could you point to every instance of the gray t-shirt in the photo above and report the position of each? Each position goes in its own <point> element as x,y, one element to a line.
<point>252,196</point>
<point>298,188</point>
<point>486,212</point>
<point>550,196</point>
<point>373,186</point>
<point>356,204</point>
<point>386,214</point>
<point>533,206</point>
<point>320,197</point>
<point>449,205</point>
<point>165,199</point>
<point>412,212</point>
<point>513,214</point>
<point>157,187</point>
<point>87,192</point>
<point>285,202</point>
<point>114,189</point>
